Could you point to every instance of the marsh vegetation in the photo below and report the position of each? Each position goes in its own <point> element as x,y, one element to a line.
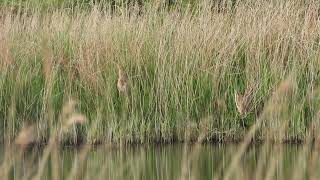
<point>204,70</point>
<point>120,73</point>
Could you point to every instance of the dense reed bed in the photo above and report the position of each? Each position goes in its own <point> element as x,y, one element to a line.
<point>206,72</point>
<point>119,73</point>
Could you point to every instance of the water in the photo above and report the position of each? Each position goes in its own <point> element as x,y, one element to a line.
<point>160,162</point>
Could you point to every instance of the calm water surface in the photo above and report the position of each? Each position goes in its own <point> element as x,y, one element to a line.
<point>159,162</point>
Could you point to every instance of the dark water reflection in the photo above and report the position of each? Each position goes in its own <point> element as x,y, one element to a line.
<point>160,162</point>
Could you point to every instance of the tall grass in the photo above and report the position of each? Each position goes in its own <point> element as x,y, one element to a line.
<point>183,67</point>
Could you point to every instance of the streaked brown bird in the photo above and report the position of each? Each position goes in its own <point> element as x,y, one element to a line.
<point>243,101</point>
<point>122,83</point>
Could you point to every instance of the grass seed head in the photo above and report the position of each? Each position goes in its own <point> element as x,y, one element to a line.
<point>75,118</point>
<point>69,107</point>
<point>70,116</point>
<point>26,136</point>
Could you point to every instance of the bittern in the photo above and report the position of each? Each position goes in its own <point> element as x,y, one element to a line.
<point>122,84</point>
<point>243,101</point>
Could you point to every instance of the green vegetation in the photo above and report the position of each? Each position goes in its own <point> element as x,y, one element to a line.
<point>183,68</point>
<point>118,72</point>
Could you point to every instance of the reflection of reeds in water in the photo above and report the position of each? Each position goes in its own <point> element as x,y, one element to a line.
<point>190,160</point>
<point>196,162</point>
<point>77,170</point>
<point>25,137</point>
